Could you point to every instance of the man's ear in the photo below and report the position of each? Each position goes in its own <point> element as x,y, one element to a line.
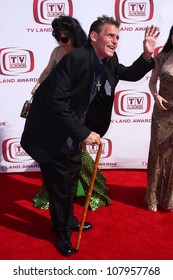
<point>93,36</point>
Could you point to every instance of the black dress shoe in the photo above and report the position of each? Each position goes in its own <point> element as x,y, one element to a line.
<point>76,226</point>
<point>87,226</point>
<point>63,244</point>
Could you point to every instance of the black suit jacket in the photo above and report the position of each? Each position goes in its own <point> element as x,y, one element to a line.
<point>60,101</point>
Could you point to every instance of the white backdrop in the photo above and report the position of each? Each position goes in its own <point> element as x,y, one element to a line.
<point>26,44</point>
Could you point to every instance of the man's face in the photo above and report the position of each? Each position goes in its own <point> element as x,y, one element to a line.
<point>105,43</point>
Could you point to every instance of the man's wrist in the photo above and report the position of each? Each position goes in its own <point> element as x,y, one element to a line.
<point>147,57</point>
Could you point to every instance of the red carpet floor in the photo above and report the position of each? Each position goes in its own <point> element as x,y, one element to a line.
<point>125,230</point>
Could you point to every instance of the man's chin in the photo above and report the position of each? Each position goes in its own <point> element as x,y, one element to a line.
<point>110,54</point>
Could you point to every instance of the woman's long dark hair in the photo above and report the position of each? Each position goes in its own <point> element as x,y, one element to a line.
<point>168,45</point>
<point>72,27</point>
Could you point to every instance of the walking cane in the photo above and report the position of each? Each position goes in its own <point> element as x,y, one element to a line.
<point>87,201</point>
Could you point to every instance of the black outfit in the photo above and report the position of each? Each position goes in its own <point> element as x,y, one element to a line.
<point>55,129</point>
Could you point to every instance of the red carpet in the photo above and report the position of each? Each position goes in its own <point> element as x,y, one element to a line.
<point>126,230</point>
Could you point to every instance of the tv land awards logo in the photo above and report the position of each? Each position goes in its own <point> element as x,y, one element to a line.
<point>45,11</point>
<point>131,12</point>
<point>131,102</point>
<point>13,152</point>
<point>106,148</point>
<point>16,61</point>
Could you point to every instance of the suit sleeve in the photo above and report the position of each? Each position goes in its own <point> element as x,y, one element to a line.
<point>136,71</point>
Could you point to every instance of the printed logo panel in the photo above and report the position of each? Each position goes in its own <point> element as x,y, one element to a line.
<point>45,11</point>
<point>13,152</point>
<point>106,148</point>
<point>16,61</point>
<point>132,12</point>
<point>131,103</point>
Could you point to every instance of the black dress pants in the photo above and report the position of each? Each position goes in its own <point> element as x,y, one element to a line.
<point>61,175</point>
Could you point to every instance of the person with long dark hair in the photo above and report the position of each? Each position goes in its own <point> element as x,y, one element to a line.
<point>160,161</point>
<point>69,35</point>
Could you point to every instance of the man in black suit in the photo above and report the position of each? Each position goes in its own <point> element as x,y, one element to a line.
<point>74,105</point>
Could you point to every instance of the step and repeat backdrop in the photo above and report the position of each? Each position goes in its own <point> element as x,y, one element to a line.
<point>26,44</point>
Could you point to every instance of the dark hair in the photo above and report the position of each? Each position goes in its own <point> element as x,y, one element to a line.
<point>168,45</point>
<point>72,28</point>
<point>98,24</point>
